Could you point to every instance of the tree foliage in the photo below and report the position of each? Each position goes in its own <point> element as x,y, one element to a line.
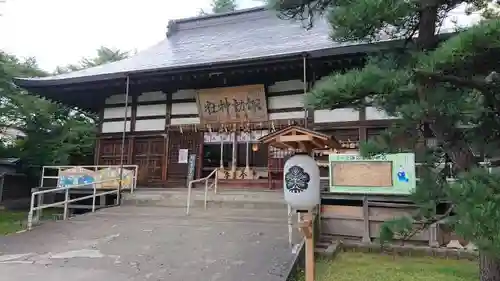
<point>221,6</point>
<point>55,134</point>
<point>445,84</point>
<point>104,55</point>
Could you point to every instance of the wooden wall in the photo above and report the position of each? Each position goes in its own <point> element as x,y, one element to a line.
<point>362,219</point>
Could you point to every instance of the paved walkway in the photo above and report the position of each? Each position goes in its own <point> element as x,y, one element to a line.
<point>142,243</point>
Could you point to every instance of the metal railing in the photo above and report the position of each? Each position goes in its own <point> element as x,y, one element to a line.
<point>67,199</point>
<point>205,179</point>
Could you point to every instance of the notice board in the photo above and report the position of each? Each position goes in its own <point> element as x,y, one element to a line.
<point>382,174</point>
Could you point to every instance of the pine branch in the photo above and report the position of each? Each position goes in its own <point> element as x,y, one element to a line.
<point>472,83</point>
<point>488,86</point>
<point>428,222</point>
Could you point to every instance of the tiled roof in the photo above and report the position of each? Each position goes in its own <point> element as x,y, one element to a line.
<point>233,37</point>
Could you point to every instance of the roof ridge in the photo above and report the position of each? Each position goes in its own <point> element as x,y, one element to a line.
<point>220,15</point>
<point>173,25</point>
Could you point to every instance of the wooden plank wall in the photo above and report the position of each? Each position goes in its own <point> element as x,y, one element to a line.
<point>364,222</point>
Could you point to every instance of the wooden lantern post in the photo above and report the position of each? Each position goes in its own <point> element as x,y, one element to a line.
<point>307,229</point>
<point>304,140</point>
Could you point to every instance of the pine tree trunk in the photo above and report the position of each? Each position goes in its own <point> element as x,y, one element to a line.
<point>489,268</point>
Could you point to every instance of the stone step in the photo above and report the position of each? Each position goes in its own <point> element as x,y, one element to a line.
<point>329,250</point>
<point>200,204</point>
<point>260,215</point>
<point>227,199</point>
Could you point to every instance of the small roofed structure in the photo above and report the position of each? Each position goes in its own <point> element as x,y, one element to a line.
<point>300,139</point>
<point>15,187</point>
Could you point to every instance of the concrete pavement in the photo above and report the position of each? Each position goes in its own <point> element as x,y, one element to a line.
<point>148,243</point>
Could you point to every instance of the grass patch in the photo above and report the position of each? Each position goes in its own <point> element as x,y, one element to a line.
<point>375,267</point>
<point>13,221</point>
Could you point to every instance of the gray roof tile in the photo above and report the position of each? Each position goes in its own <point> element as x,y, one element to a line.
<point>237,36</point>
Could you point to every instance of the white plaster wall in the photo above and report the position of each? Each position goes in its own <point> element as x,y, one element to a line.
<point>114,99</point>
<point>373,113</point>
<point>184,108</point>
<point>150,125</point>
<point>336,115</point>
<point>289,101</point>
<point>286,115</point>
<point>184,121</point>
<point>152,96</point>
<point>114,127</point>
<point>284,86</point>
<point>116,112</point>
<point>151,110</point>
<point>184,94</point>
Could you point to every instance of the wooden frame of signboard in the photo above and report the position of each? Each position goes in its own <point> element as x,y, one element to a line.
<point>232,105</point>
<point>303,140</point>
<point>381,174</point>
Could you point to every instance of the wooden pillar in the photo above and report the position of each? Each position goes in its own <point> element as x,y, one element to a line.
<point>97,151</point>
<point>97,148</point>
<point>221,151</point>
<point>164,165</point>
<point>235,154</point>
<point>306,227</point>
<point>247,157</point>
<point>362,128</point>
<point>101,115</point>
<point>269,168</point>
<point>131,149</point>
<point>310,112</point>
<point>433,236</point>
<point>199,161</point>
<point>366,220</point>
<point>133,113</point>
<point>168,112</point>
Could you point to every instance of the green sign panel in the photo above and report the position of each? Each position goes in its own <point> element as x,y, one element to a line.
<point>382,174</point>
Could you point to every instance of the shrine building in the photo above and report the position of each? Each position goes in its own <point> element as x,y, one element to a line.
<point>213,87</point>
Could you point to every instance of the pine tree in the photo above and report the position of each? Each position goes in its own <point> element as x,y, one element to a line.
<point>223,6</point>
<point>445,85</point>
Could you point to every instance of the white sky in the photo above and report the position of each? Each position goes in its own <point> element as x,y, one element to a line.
<point>59,32</point>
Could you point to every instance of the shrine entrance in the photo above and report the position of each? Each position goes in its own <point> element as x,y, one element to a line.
<point>233,119</point>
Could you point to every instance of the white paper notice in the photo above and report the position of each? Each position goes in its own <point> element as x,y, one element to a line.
<point>183,155</point>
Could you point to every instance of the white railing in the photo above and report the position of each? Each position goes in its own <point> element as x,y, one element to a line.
<point>205,179</point>
<point>95,168</point>
<point>67,199</point>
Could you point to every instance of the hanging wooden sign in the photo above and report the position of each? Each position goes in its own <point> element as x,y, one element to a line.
<point>191,167</point>
<point>232,105</point>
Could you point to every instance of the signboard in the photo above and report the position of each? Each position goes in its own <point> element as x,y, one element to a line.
<point>183,156</point>
<point>105,178</point>
<point>191,167</point>
<point>108,174</point>
<point>383,174</point>
<point>76,176</point>
<point>232,104</point>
